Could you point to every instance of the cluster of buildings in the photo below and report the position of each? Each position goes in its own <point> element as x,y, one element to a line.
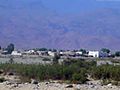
<point>94,54</point>
<point>64,53</point>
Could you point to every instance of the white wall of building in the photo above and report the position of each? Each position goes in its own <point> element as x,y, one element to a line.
<point>51,53</point>
<point>79,52</point>
<point>16,53</point>
<point>93,53</point>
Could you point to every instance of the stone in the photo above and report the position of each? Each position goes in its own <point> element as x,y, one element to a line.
<point>69,86</point>
<point>33,81</point>
<point>109,84</point>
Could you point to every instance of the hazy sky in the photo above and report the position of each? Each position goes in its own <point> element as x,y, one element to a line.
<point>66,6</point>
<point>75,6</point>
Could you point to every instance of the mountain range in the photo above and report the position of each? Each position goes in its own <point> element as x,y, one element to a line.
<point>32,25</point>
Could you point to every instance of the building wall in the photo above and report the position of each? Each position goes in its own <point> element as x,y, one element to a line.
<point>16,53</point>
<point>93,53</point>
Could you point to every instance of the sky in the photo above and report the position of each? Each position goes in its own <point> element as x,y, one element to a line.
<point>67,6</point>
<point>76,6</point>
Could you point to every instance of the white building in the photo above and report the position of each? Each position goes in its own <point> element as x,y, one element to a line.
<point>67,53</point>
<point>93,54</point>
<point>50,53</point>
<point>30,51</point>
<point>16,53</point>
<point>43,53</point>
<point>79,53</point>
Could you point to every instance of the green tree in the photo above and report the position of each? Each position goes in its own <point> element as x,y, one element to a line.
<point>105,50</point>
<point>43,49</point>
<point>54,50</point>
<point>11,61</point>
<point>117,53</point>
<point>79,78</point>
<point>10,48</point>
<point>83,51</point>
<point>56,58</point>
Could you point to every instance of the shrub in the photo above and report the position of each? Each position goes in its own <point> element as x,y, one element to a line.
<point>2,80</point>
<point>79,78</point>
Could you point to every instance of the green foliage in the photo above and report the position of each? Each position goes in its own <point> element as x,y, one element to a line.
<point>46,72</point>
<point>54,50</point>
<point>2,80</point>
<point>42,49</point>
<point>72,70</point>
<point>105,50</point>
<point>106,72</point>
<point>83,51</point>
<point>55,59</point>
<point>105,82</point>
<point>11,61</point>
<point>117,53</point>
<point>80,77</point>
<point>10,48</point>
<point>46,59</point>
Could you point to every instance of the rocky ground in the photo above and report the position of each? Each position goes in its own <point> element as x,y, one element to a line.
<point>93,85</point>
<point>12,83</point>
<point>54,86</point>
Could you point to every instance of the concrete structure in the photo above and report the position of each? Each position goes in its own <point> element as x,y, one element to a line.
<point>42,53</point>
<point>50,53</point>
<point>99,63</point>
<point>79,53</point>
<point>68,53</point>
<point>16,53</point>
<point>30,51</point>
<point>93,54</point>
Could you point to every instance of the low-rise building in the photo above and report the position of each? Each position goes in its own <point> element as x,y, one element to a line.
<point>16,53</point>
<point>42,53</point>
<point>78,53</point>
<point>30,52</point>
<point>50,53</point>
<point>93,54</point>
<point>67,53</point>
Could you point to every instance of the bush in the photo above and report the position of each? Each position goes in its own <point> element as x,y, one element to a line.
<point>46,59</point>
<point>2,80</point>
<point>106,72</point>
<point>72,70</point>
<point>79,78</point>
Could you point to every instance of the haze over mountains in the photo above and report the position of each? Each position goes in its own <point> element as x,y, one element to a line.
<point>29,24</point>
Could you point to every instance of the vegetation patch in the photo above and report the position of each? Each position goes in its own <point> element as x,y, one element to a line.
<point>74,71</point>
